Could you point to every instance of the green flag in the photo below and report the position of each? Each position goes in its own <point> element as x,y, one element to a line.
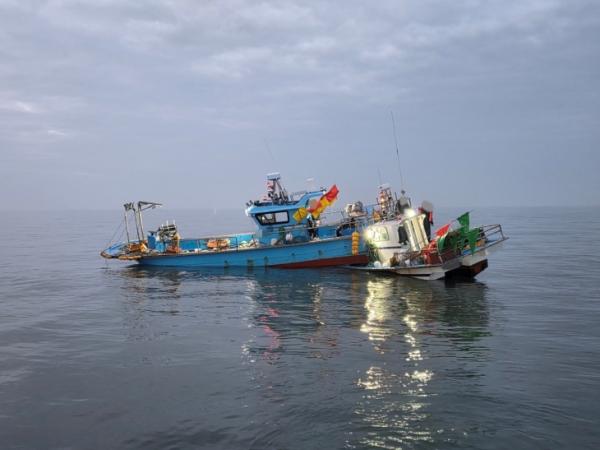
<point>473,237</point>
<point>464,221</point>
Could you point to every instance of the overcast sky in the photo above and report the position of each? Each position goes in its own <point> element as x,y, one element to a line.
<point>192,102</point>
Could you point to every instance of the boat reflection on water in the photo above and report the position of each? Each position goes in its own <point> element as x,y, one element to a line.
<point>141,282</point>
<point>288,316</point>
<point>412,321</point>
<point>321,348</point>
<point>146,294</point>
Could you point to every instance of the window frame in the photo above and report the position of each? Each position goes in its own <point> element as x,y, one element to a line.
<point>380,234</point>
<point>261,218</point>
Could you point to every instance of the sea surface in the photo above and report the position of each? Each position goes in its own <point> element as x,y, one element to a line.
<point>99,354</point>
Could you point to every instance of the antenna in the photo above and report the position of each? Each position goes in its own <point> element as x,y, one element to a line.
<point>379,175</point>
<point>397,153</point>
<point>269,150</point>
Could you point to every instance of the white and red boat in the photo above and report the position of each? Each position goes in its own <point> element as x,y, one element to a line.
<point>398,242</point>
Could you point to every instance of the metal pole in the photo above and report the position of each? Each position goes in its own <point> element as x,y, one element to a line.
<point>141,223</point>
<point>126,226</point>
<point>137,225</point>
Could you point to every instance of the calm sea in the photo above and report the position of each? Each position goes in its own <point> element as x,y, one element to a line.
<point>105,355</point>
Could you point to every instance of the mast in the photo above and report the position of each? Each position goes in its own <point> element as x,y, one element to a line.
<point>397,154</point>
<point>126,224</point>
<point>140,220</point>
<point>142,206</point>
<point>137,216</point>
<point>130,207</point>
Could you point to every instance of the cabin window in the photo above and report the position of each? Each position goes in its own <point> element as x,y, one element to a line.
<point>273,218</point>
<point>380,234</point>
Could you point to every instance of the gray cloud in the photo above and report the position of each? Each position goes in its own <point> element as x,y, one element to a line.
<point>109,100</point>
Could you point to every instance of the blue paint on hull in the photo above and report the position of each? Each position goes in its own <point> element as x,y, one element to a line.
<point>259,257</point>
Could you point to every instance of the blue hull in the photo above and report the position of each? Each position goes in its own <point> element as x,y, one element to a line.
<point>327,252</point>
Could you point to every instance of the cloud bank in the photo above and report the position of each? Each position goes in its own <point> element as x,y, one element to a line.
<point>497,102</point>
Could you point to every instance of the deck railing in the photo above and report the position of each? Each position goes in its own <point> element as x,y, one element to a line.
<point>487,236</point>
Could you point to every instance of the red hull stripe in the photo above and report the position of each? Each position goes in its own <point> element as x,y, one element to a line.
<point>341,261</point>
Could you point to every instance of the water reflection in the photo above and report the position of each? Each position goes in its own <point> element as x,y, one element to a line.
<point>286,309</point>
<point>410,326</point>
<point>414,319</point>
<point>146,294</point>
<point>140,284</point>
<point>378,310</point>
<point>308,335</point>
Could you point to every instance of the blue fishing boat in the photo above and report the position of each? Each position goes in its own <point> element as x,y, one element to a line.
<point>289,234</point>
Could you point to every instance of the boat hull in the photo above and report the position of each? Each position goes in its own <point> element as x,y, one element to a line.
<point>469,271</point>
<point>423,272</point>
<point>472,264</point>
<point>323,253</point>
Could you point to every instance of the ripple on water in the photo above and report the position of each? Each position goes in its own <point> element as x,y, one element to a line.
<point>114,356</point>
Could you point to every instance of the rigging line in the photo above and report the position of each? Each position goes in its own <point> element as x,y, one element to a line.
<point>111,240</point>
<point>397,152</point>
<point>269,150</point>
